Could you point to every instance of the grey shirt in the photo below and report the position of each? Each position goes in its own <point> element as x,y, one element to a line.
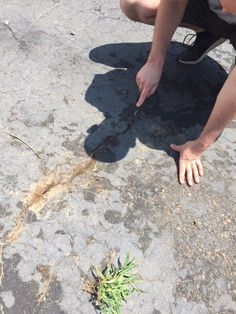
<point>216,7</point>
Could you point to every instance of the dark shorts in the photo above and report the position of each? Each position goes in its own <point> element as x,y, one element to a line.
<point>199,14</point>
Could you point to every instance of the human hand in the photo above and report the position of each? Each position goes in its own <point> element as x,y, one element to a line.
<point>190,166</point>
<point>148,80</point>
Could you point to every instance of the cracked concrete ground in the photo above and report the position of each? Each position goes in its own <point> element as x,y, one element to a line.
<point>68,90</point>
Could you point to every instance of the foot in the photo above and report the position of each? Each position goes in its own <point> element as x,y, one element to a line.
<point>203,44</point>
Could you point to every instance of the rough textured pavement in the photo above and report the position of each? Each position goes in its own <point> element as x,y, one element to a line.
<point>67,73</point>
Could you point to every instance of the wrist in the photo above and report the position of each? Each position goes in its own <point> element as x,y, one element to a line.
<point>156,61</point>
<point>203,143</point>
<point>206,139</point>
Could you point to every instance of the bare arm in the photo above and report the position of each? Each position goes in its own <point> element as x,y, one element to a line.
<point>223,113</point>
<point>169,16</point>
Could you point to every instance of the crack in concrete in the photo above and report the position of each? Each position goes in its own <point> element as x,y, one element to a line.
<point>108,139</point>
<point>21,43</point>
<point>53,185</point>
<point>11,31</point>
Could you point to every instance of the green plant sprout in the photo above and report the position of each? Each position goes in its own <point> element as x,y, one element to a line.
<point>114,285</point>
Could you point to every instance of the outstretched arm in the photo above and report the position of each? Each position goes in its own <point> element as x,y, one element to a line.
<point>169,16</point>
<point>224,112</point>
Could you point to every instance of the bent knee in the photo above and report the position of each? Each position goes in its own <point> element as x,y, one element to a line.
<point>139,10</point>
<point>130,9</point>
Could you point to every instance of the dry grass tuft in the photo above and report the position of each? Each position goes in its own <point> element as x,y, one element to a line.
<point>90,287</point>
<point>49,279</point>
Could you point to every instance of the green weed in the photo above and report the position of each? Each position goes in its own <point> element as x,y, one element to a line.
<point>114,285</point>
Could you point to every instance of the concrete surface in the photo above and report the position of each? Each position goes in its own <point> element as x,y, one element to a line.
<point>67,74</point>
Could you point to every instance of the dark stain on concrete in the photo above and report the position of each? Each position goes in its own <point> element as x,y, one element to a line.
<point>4,210</point>
<point>40,234</point>
<point>113,216</point>
<point>85,212</point>
<point>50,119</point>
<point>68,129</point>
<point>145,239</point>
<point>74,145</point>
<point>31,217</point>
<point>26,293</point>
<point>1,226</point>
<point>97,186</point>
<point>66,100</point>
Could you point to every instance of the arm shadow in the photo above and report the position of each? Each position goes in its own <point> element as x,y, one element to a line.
<point>176,113</point>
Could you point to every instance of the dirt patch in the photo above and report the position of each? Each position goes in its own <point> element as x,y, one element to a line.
<point>54,184</point>
<point>48,188</point>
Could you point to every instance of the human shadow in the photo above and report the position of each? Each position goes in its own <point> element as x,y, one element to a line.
<point>174,114</point>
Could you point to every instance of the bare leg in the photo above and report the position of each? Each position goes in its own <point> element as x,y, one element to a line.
<point>145,11</point>
<point>140,10</point>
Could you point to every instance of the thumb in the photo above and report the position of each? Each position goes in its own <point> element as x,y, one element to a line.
<point>177,148</point>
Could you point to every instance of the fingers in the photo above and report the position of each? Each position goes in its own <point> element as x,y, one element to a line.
<point>145,90</point>
<point>137,80</point>
<point>190,166</point>
<point>182,170</point>
<point>195,173</point>
<point>152,90</point>
<point>200,168</point>
<point>190,172</point>
<point>139,83</point>
<point>143,96</point>
<point>146,94</point>
<point>140,87</point>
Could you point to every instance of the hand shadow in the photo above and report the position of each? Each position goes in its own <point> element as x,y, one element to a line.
<point>175,114</point>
